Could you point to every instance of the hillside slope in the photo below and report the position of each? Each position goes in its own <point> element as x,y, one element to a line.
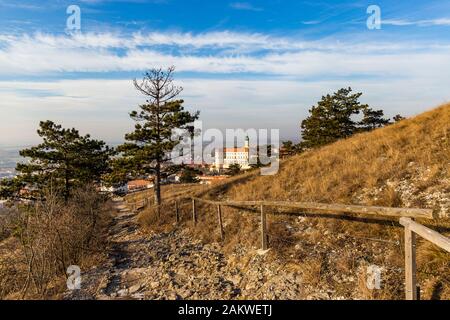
<point>406,165</point>
<point>403,165</point>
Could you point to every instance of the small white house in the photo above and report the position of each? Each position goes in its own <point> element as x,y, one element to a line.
<point>174,178</point>
<point>112,189</point>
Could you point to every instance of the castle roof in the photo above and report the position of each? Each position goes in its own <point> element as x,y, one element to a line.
<point>244,149</point>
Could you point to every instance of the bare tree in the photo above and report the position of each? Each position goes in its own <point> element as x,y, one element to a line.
<point>148,146</point>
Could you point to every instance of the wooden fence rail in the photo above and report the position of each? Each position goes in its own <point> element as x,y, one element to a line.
<point>138,205</point>
<point>405,214</point>
<point>332,208</point>
<point>311,206</point>
<point>411,229</point>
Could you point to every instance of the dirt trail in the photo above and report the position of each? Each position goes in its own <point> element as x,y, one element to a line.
<point>175,266</point>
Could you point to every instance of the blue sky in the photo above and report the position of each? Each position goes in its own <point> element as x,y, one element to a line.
<point>243,64</point>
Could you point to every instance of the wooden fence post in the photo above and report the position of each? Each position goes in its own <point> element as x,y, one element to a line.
<point>219,213</point>
<point>194,212</point>
<point>177,211</point>
<point>263,229</point>
<point>410,264</point>
<point>158,211</point>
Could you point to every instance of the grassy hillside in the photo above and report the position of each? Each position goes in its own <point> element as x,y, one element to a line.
<point>403,165</point>
<point>406,164</point>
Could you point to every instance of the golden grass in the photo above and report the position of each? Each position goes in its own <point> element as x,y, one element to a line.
<point>167,191</point>
<point>365,169</point>
<point>338,172</point>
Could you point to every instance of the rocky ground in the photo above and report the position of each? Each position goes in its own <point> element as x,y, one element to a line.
<point>175,266</point>
<point>422,189</point>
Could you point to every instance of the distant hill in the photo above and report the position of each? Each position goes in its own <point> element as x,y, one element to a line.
<point>9,156</point>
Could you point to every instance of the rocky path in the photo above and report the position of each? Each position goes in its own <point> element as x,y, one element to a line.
<point>175,266</point>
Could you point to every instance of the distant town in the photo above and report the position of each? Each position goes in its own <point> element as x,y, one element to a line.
<point>9,156</point>
<point>227,162</point>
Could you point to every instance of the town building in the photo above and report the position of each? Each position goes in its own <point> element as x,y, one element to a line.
<point>228,156</point>
<point>131,186</point>
<point>137,185</point>
<point>208,180</point>
<point>120,189</point>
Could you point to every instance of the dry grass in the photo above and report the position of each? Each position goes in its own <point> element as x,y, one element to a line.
<point>338,172</point>
<point>48,237</point>
<point>347,172</point>
<point>179,192</point>
<point>364,169</point>
<point>168,192</point>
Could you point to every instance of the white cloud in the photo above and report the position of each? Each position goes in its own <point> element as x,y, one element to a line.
<point>245,6</point>
<point>399,77</point>
<point>420,23</point>
<point>223,52</point>
<point>311,22</point>
<point>101,106</point>
<point>20,5</point>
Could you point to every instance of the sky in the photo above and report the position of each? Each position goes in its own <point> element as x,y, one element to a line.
<point>242,64</point>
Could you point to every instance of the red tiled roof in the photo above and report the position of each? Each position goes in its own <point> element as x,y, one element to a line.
<point>213,177</point>
<point>139,183</point>
<point>235,149</point>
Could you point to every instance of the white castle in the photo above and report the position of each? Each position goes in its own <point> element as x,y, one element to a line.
<point>228,156</point>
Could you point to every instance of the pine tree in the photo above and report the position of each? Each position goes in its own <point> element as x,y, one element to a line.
<point>9,188</point>
<point>289,148</point>
<point>119,173</point>
<point>189,175</point>
<point>234,169</point>
<point>333,119</point>
<point>398,118</point>
<point>372,119</point>
<point>64,160</point>
<point>147,148</point>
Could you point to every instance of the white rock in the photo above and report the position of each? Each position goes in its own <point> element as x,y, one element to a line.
<point>262,252</point>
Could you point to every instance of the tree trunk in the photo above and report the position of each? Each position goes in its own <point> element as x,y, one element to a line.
<point>66,186</point>
<point>158,160</point>
<point>158,187</point>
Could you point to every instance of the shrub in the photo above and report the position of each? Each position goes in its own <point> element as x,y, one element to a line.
<point>50,236</point>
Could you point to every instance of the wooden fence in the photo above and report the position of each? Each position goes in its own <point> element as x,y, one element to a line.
<point>405,214</point>
<point>311,206</point>
<point>138,205</point>
<point>411,229</point>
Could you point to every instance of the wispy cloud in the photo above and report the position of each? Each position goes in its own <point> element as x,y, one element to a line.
<point>129,1</point>
<point>420,23</point>
<point>245,6</point>
<point>101,106</point>
<point>311,22</point>
<point>219,53</point>
<point>20,5</point>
